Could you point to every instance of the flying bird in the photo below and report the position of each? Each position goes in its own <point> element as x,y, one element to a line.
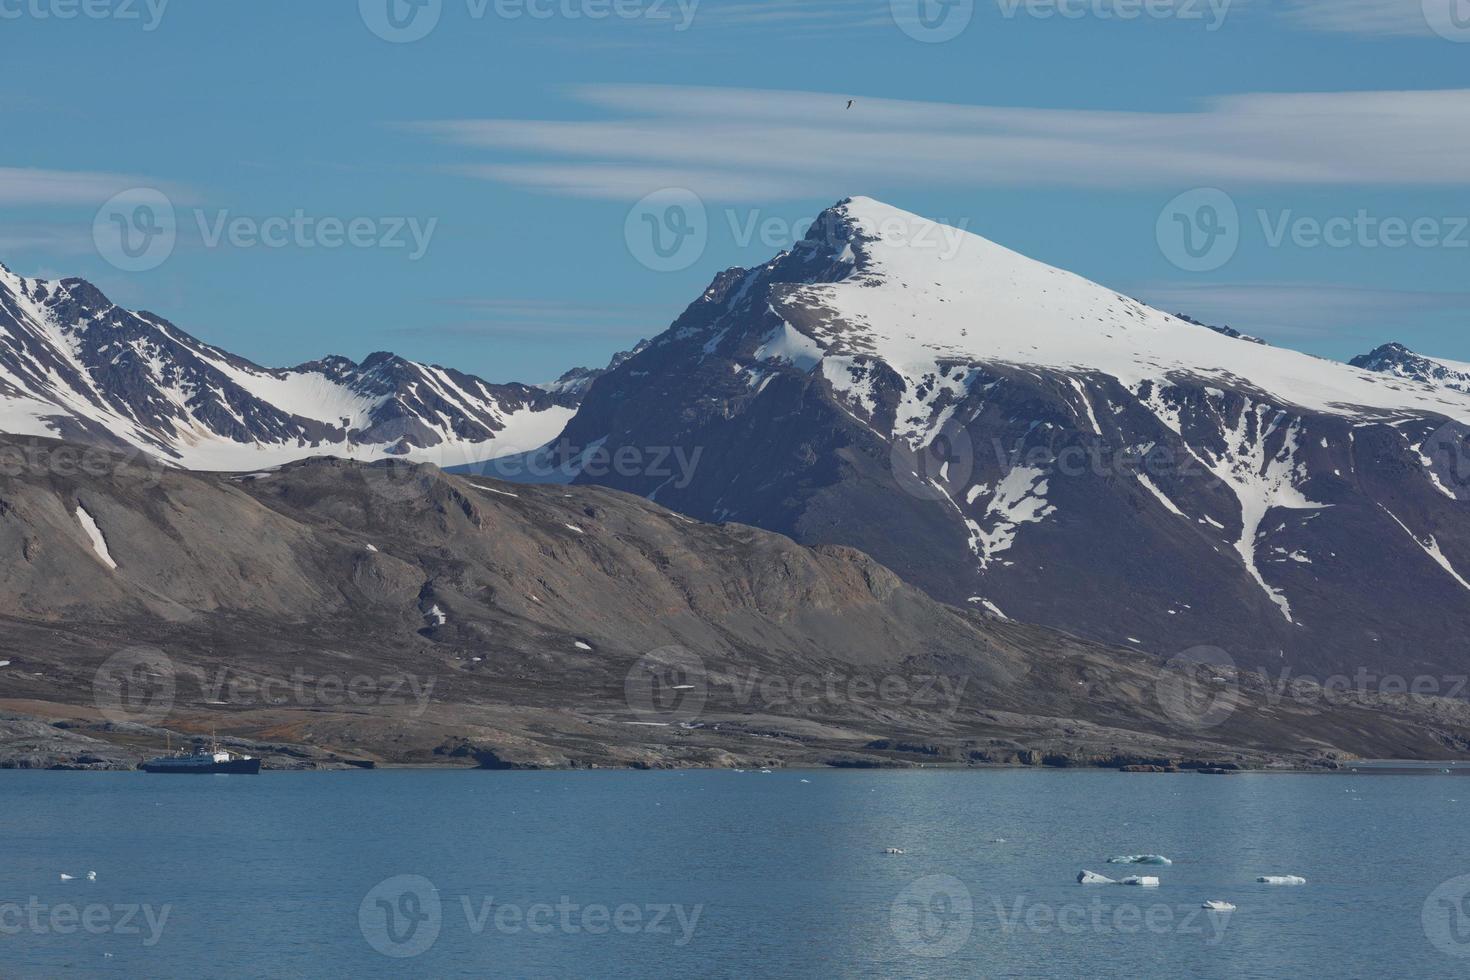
<point>849,103</point>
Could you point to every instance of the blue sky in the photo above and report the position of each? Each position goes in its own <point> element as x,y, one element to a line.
<point>515,137</point>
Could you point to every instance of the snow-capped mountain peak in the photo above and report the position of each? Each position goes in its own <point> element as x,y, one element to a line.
<point>1398,360</point>
<point>1015,436</point>
<point>916,293</point>
<point>74,365</point>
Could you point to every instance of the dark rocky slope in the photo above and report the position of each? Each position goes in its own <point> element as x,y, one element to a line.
<point>329,612</point>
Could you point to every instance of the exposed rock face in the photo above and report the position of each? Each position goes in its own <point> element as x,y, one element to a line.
<point>1398,360</point>
<point>76,366</point>
<point>333,612</point>
<point>1007,435</point>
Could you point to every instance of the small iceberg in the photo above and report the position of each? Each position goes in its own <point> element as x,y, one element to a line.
<point>1281,880</point>
<point>892,850</point>
<point>66,877</point>
<point>1214,905</point>
<point>1142,881</point>
<point>1093,878</point>
<point>1139,859</point>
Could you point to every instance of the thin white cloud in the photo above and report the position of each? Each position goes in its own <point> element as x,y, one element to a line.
<point>794,14</point>
<point>747,144</point>
<point>541,318</point>
<point>52,239</point>
<point>1389,18</point>
<point>1297,310</point>
<point>27,186</point>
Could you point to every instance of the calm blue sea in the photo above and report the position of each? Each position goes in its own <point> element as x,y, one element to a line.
<point>723,874</point>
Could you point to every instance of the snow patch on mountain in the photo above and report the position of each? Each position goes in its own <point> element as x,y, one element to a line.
<point>1261,480</point>
<point>1431,548</point>
<point>962,297</point>
<point>1019,498</point>
<point>94,535</point>
<point>74,365</point>
<point>788,344</point>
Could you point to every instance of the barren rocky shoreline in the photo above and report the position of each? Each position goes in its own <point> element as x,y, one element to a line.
<point>331,614</point>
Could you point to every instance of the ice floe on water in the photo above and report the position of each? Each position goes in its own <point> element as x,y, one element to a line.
<point>1139,859</point>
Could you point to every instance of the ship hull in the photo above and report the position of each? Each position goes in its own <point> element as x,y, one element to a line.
<point>234,767</point>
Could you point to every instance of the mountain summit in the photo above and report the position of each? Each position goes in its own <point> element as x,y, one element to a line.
<point>76,366</point>
<point>1014,436</point>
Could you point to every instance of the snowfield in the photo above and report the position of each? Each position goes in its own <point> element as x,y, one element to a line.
<point>75,366</point>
